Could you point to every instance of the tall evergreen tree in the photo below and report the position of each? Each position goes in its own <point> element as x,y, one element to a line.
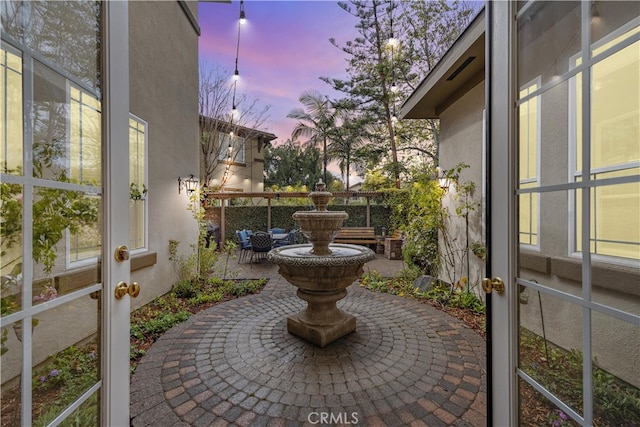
<point>369,86</point>
<point>398,43</point>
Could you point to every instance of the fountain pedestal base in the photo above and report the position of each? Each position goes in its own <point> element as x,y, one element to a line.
<point>321,335</point>
<point>321,322</point>
<point>322,281</point>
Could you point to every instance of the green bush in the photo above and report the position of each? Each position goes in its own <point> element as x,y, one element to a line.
<point>158,325</point>
<point>183,289</point>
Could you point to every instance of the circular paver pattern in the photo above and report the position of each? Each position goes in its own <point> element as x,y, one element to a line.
<point>236,364</point>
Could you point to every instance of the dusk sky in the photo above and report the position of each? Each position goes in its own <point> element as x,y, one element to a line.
<point>284,49</point>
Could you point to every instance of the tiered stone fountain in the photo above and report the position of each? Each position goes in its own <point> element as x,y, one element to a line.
<point>322,271</point>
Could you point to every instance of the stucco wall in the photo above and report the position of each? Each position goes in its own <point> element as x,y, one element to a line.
<point>461,142</point>
<point>164,92</point>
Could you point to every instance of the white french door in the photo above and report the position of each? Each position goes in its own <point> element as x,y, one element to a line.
<point>563,98</point>
<point>64,157</point>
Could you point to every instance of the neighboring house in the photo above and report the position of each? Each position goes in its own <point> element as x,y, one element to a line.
<point>232,156</point>
<point>554,108</point>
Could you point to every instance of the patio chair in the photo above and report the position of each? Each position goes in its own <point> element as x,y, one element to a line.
<point>260,245</point>
<point>243,243</point>
<point>277,230</point>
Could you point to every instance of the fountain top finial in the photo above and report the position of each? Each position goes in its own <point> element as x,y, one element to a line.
<point>320,197</point>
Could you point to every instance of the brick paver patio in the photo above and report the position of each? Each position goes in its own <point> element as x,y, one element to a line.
<point>235,364</point>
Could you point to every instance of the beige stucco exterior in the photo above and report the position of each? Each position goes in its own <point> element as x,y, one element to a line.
<point>552,261</point>
<point>461,141</point>
<point>164,92</point>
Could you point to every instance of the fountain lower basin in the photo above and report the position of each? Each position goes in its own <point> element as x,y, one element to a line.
<point>321,281</point>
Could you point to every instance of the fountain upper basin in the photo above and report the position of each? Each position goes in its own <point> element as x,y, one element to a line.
<point>333,271</point>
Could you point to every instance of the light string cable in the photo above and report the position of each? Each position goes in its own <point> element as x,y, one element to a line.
<point>234,110</point>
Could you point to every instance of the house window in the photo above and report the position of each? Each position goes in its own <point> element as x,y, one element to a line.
<point>614,228</point>
<point>231,148</point>
<point>138,183</point>
<point>529,145</point>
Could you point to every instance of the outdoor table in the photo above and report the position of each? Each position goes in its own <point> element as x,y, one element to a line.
<point>279,236</point>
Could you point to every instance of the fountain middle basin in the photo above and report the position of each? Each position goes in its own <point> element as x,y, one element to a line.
<point>321,281</point>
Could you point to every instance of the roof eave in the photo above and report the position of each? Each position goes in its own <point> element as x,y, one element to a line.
<point>460,69</point>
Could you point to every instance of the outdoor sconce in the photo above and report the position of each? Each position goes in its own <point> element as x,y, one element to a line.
<point>445,183</point>
<point>354,196</point>
<point>443,180</point>
<point>190,184</point>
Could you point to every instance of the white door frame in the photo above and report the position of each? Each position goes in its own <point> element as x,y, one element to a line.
<point>501,212</point>
<point>115,164</point>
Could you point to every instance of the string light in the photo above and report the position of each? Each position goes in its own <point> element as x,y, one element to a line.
<point>236,74</point>
<point>234,109</point>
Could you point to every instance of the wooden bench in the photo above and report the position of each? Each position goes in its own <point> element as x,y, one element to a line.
<point>356,235</point>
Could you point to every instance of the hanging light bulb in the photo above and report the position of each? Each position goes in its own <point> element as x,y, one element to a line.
<point>392,41</point>
<point>236,75</point>
<point>243,15</point>
<point>234,111</point>
<point>394,87</point>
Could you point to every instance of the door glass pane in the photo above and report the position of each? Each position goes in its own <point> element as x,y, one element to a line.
<point>616,370</point>
<point>65,358</point>
<point>548,35</point>
<point>11,211</point>
<point>551,345</point>
<point>10,371</point>
<point>11,126</point>
<point>47,31</point>
<point>67,134</point>
<point>59,211</point>
<point>549,263</point>
<point>55,83</point>
<point>536,410</point>
<point>608,17</point>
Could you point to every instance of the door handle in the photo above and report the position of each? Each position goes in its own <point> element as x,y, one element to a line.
<point>121,253</point>
<point>495,284</point>
<point>123,289</point>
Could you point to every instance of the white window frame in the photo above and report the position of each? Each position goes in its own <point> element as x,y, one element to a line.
<point>572,173</point>
<point>145,246</point>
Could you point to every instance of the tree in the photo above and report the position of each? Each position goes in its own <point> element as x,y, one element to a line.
<point>398,43</point>
<point>293,165</point>
<point>430,28</point>
<point>347,142</point>
<point>217,124</point>
<point>316,121</point>
<point>369,88</point>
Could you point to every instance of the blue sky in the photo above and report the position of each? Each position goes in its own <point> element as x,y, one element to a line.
<point>284,49</point>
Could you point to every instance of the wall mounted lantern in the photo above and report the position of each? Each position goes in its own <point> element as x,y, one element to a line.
<point>190,184</point>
